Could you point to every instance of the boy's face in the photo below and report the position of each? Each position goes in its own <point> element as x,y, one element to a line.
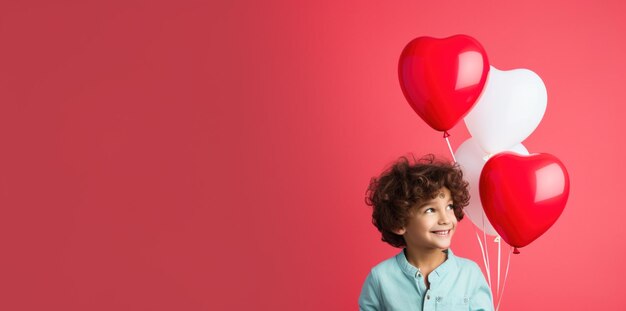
<point>431,224</point>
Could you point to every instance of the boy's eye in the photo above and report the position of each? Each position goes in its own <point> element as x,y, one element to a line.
<point>429,210</point>
<point>450,206</point>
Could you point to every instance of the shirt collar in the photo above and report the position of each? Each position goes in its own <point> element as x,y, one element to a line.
<point>449,265</point>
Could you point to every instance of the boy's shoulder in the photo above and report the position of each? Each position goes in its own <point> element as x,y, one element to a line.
<point>467,265</point>
<point>388,265</point>
<point>462,261</point>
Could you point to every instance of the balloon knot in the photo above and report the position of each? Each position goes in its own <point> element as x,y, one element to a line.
<point>515,250</point>
<point>446,134</point>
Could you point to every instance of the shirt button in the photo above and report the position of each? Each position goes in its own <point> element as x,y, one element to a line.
<point>438,299</point>
<point>427,297</point>
<point>466,300</point>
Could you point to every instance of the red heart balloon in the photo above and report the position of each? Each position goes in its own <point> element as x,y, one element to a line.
<point>442,78</point>
<point>523,196</point>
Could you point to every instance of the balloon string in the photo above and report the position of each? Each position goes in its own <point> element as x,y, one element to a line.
<point>497,240</point>
<point>482,251</point>
<point>445,135</point>
<point>486,250</point>
<point>506,274</point>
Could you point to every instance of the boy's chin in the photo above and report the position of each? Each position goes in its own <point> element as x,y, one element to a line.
<point>443,247</point>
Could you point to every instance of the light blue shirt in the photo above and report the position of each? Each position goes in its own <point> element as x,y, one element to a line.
<point>395,284</point>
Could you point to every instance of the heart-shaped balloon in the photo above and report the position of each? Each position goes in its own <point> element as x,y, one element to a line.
<point>523,196</point>
<point>509,109</point>
<point>472,158</point>
<point>442,78</point>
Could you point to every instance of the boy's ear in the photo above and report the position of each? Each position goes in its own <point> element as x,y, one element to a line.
<point>399,231</point>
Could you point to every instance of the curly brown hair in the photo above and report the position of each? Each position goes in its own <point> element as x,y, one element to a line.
<point>405,185</point>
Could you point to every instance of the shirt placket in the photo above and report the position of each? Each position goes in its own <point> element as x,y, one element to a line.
<point>424,292</point>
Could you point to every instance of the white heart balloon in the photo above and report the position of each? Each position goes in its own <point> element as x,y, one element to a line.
<point>509,109</point>
<point>472,158</point>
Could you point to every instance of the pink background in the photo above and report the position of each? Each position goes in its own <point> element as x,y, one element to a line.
<point>198,155</point>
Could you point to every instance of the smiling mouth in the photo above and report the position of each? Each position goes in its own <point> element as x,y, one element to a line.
<point>442,233</point>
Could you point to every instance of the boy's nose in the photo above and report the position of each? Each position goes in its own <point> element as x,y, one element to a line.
<point>444,219</point>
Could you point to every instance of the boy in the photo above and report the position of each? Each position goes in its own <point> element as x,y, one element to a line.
<point>416,207</point>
